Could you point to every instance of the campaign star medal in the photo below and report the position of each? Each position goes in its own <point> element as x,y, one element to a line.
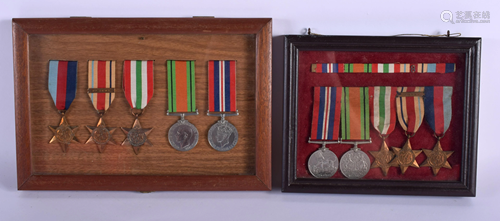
<point>410,111</point>
<point>183,136</point>
<point>138,86</point>
<point>438,116</point>
<point>383,119</point>
<point>222,136</point>
<point>101,91</point>
<point>355,124</point>
<point>62,89</point>
<point>323,163</point>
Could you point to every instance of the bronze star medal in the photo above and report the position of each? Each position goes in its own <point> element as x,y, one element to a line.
<point>101,135</point>
<point>136,136</point>
<point>405,157</point>
<point>382,158</point>
<point>437,158</point>
<point>64,134</point>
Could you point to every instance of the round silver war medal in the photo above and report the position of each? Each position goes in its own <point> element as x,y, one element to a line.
<point>323,163</point>
<point>354,164</point>
<point>183,136</point>
<point>222,136</point>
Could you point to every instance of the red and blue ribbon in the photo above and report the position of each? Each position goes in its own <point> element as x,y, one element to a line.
<point>438,108</point>
<point>326,113</point>
<point>62,83</point>
<point>222,86</point>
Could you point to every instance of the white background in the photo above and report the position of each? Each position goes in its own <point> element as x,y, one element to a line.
<point>289,17</point>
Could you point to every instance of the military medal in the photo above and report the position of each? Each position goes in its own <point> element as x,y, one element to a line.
<point>410,111</point>
<point>183,136</point>
<point>102,93</point>
<point>439,68</point>
<point>438,115</point>
<point>222,136</point>
<point>138,87</point>
<point>62,89</point>
<point>383,118</point>
<point>355,118</point>
<point>323,163</point>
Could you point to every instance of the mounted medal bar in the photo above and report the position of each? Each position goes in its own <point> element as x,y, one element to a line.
<point>396,107</point>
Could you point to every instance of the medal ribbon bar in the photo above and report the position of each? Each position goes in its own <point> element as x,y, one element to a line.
<point>440,68</point>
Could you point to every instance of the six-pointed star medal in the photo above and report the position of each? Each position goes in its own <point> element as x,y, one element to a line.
<point>405,157</point>
<point>382,158</point>
<point>101,135</point>
<point>437,158</point>
<point>136,136</point>
<point>64,134</point>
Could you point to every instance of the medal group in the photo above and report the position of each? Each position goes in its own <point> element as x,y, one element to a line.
<point>138,87</point>
<point>342,115</point>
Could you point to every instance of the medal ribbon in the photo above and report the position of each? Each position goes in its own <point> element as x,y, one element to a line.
<point>102,75</point>
<point>355,113</point>
<point>383,68</point>
<point>181,86</point>
<point>326,113</point>
<point>62,83</point>
<point>138,82</point>
<point>410,109</point>
<point>438,108</point>
<point>222,86</point>
<point>383,109</point>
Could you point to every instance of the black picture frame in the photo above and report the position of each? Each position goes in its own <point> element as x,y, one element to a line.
<point>471,47</point>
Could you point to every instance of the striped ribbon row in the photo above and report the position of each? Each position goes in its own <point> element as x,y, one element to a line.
<point>181,86</point>
<point>348,110</point>
<point>101,75</point>
<point>383,68</point>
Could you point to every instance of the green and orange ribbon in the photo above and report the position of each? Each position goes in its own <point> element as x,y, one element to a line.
<point>355,114</point>
<point>181,86</point>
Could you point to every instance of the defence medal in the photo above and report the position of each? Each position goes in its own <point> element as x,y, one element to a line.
<point>222,136</point>
<point>138,87</point>
<point>62,89</point>
<point>102,93</point>
<point>355,121</point>
<point>410,111</point>
<point>383,118</point>
<point>438,115</point>
<point>183,136</point>
<point>323,163</point>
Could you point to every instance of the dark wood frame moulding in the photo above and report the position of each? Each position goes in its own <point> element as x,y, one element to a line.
<point>471,47</point>
<point>22,28</point>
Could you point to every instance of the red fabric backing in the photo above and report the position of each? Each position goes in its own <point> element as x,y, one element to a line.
<point>423,139</point>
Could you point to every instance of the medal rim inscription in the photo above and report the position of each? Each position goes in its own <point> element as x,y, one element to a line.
<point>233,129</point>
<point>334,159</point>
<point>177,125</point>
<point>346,171</point>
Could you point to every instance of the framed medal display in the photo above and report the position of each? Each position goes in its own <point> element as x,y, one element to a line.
<point>143,104</point>
<point>381,115</point>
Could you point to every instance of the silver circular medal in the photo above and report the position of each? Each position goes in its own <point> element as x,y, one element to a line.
<point>323,163</point>
<point>222,136</point>
<point>183,136</point>
<point>354,164</point>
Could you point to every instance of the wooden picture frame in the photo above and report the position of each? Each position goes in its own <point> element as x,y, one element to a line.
<point>33,40</point>
<point>374,49</point>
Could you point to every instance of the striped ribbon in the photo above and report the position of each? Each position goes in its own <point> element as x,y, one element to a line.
<point>102,75</point>
<point>355,113</point>
<point>138,82</point>
<point>326,113</point>
<point>383,68</point>
<point>410,109</point>
<point>438,108</point>
<point>222,86</point>
<point>181,86</point>
<point>383,109</point>
<point>62,83</point>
